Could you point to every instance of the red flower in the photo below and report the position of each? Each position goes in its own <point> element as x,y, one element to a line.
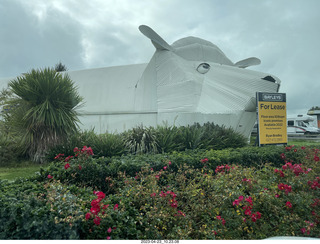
<point>204,160</point>
<point>76,149</point>
<point>95,210</point>
<point>87,150</point>
<point>97,220</point>
<point>316,158</point>
<point>303,230</point>
<point>105,206</point>
<point>281,186</point>
<point>49,176</point>
<point>109,230</point>
<point>153,194</point>
<point>80,167</point>
<point>116,206</point>
<point>59,156</point>
<point>249,200</point>
<point>100,195</point>
<point>222,220</point>
<point>288,204</point>
<point>67,166</point>
<point>68,158</point>
<point>253,218</point>
<point>165,167</point>
<point>169,163</point>
<point>95,203</point>
<point>258,214</point>
<point>88,216</point>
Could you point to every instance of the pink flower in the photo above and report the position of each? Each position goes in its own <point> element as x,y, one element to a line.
<point>303,230</point>
<point>116,206</point>
<point>105,206</point>
<point>108,237</point>
<point>165,167</point>
<point>67,166</point>
<point>240,198</point>
<point>277,195</point>
<point>288,204</point>
<point>109,230</point>
<point>76,149</point>
<point>236,202</point>
<point>49,176</point>
<point>153,194</point>
<point>169,163</point>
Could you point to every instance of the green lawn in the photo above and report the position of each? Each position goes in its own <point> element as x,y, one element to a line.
<point>16,171</point>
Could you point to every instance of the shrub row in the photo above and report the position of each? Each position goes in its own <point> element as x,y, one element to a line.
<point>95,171</point>
<point>187,199</point>
<point>160,139</point>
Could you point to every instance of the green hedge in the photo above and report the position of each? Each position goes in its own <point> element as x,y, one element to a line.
<point>94,172</point>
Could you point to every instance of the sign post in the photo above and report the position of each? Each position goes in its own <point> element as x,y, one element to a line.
<point>272,118</point>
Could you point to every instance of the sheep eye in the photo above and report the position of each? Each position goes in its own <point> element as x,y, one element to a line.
<point>203,68</point>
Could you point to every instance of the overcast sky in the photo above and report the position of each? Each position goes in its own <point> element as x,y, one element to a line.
<point>84,34</point>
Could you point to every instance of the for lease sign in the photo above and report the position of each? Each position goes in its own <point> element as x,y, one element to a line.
<point>272,118</point>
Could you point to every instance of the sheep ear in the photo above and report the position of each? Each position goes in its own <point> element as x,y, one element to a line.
<point>248,62</point>
<point>156,40</point>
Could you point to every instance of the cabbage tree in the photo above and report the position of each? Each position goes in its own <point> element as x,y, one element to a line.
<point>44,110</point>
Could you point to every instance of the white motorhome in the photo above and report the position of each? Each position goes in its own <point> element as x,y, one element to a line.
<point>302,125</point>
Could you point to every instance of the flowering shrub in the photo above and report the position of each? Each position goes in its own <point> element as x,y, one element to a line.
<point>171,200</point>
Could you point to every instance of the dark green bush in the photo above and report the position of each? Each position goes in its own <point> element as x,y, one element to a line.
<point>26,213</point>
<point>161,139</point>
<point>9,151</point>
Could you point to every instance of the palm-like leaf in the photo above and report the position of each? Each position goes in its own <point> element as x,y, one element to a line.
<point>45,112</point>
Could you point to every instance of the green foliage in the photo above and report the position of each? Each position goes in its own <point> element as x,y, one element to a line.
<point>42,111</point>
<point>168,138</point>
<point>141,140</point>
<point>26,214</point>
<point>146,140</point>
<point>103,145</point>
